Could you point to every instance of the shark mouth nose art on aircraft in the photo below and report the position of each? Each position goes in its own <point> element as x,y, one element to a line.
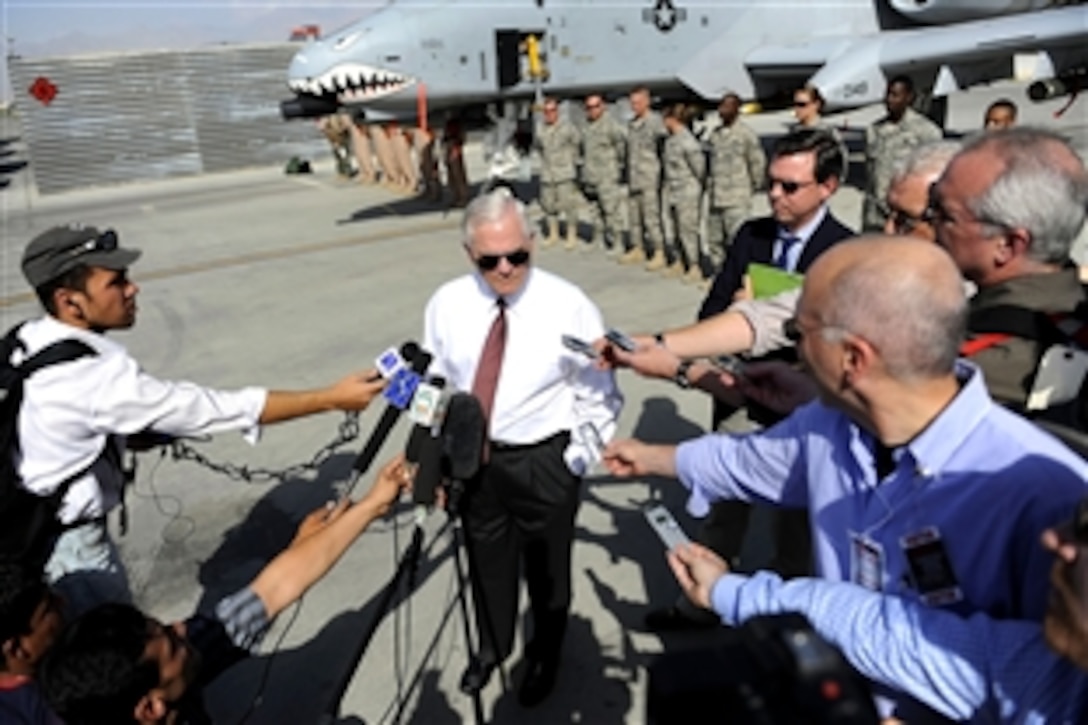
<point>353,83</point>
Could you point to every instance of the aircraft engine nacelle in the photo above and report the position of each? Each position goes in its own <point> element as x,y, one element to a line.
<point>955,11</point>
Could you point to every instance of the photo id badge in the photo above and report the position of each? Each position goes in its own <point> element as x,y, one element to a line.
<point>866,562</point>
<point>930,568</point>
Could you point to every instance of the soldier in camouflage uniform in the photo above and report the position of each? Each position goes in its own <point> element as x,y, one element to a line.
<point>559,144</point>
<point>737,168</point>
<point>888,141</point>
<point>364,155</point>
<point>604,150</point>
<point>646,135</point>
<point>685,170</point>
<point>335,128</point>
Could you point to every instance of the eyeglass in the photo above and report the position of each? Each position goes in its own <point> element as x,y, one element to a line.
<point>104,242</point>
<point>788,187</point>
<point>488,262</point>
<point>904,223</point>
<point>792,330</point>
<point>801,104</point>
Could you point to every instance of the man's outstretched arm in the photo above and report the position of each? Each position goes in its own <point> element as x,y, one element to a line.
<point>354,392</point>
<point>964,668</point>
<point>323,537</point>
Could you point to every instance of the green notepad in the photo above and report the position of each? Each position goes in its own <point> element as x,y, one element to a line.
<point>767,281</point>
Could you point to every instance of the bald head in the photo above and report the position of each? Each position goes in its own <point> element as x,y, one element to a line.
<point>904,296</point>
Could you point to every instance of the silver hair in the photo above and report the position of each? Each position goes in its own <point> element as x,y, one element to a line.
<point>927,160</point>
<point>1043,188</point>
<point>916,319</point>
<point>491,207</point>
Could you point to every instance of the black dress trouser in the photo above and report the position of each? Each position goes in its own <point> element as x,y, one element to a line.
<point>519,512</point>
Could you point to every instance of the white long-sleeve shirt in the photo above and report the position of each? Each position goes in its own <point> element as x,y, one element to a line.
<point>70,409</point>
<point>543,388</point>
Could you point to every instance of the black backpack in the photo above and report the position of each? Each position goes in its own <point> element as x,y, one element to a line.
<point>29,525</point>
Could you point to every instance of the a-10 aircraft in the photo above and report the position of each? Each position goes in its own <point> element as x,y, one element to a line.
<point>469,56</point>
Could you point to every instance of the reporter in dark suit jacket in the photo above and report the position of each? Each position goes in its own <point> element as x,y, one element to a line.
<point>801,178</point>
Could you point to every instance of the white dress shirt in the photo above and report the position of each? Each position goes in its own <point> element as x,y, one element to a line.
<point>70,409</point>
<point>803,234</point>
<point>543,387</point>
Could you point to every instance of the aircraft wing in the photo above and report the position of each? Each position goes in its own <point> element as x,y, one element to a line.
<point>853,71</point>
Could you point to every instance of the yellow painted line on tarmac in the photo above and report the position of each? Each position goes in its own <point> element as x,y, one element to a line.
<point>268,255</point>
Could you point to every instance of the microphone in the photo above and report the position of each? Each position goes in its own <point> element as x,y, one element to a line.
<point>423,448</point>
<point>463,436</point>
<point>428,406</point>
<point>402,385</point>
<point>428,475</point>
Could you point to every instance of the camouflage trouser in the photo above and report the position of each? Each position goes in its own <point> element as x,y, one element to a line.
<point>605,209</point>
<point>684,212</point>
<point>560,198</point>
<point>722,223</point>
<point>364,154</point>
<point>383,151</point>
<point>644,217</point>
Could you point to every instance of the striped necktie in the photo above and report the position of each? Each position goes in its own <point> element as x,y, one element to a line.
<point>787,242</point>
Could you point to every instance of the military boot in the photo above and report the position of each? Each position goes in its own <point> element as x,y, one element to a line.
<point>634,256</point>
<point>657,261</point>
<point>572,236</point>
<point>674,270</point>
<point>553,233</point>
<point>694,276</point>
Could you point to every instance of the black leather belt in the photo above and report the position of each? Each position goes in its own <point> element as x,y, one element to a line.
<point>499,446</point>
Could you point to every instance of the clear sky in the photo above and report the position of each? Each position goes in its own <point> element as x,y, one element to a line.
<point>41,28</point>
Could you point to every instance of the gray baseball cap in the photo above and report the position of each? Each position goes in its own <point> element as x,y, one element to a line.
<point>61,249</point>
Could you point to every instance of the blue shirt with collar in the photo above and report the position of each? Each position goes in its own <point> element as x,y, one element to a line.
<point>802,234</point>
<point>982,480</point>
<point>976,668</point>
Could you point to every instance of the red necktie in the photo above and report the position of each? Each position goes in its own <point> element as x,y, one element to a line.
<point>487,372</point>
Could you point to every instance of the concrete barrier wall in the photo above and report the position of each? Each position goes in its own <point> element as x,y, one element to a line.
<point>124,117</point>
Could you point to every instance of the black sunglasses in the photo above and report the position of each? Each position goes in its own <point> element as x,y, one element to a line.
<point>488,262</point>
<point>104,242</point>
<point>788,187</point>
<point>904,223</point>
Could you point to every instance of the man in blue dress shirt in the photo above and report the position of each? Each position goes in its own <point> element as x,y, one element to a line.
<point>976,668</point>
<point>917,483</point>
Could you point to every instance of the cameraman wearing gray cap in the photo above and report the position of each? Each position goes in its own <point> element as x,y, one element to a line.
<point>75,415</point>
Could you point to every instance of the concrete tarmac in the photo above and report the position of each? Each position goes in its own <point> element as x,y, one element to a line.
<point>287,282</point>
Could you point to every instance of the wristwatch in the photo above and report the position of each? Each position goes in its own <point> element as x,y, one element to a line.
<point>681,376</point>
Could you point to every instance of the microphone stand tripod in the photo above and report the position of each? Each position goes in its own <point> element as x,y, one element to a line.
<point>455,490</point>
<point>453,510</point>
<point>406,569</point>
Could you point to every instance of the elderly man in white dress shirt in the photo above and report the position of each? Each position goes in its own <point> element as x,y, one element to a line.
<point>497,332</point>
